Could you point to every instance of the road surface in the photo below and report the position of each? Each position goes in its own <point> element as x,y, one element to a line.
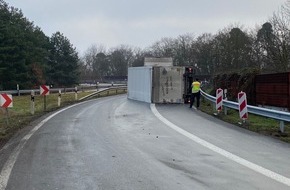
<point>116,143</point>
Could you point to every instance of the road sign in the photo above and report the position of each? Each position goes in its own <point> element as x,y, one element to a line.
<point>6,100</point>
<point>243,105</point>
<point>219,99</point>
<point>44,90</point>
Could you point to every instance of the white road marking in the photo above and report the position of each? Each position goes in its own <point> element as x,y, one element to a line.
<point>235,158</point>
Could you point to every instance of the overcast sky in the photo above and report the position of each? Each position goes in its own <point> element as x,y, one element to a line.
<point>140,23</point>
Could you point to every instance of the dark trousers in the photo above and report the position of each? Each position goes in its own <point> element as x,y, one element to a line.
<point>192,98</point>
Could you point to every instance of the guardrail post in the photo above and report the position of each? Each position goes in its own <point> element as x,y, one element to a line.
<point>225,98</point>
<point>225,109</point>
<point>213,105</point>
<point>18,91</point>
<point>282,126</point>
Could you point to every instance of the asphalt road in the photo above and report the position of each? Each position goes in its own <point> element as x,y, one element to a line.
<point>116,143</point>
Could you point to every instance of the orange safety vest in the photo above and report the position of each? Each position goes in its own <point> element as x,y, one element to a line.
<point>195,87</point>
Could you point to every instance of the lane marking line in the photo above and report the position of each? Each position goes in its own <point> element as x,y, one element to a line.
<point>235,158</point>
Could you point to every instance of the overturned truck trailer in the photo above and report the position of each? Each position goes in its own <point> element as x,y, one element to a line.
<point>156,84</point>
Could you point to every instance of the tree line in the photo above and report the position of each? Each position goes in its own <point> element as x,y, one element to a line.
<point>28,57</point>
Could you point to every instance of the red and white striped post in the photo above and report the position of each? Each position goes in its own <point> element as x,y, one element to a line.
<point>243,105</point>
<point>219,99</point>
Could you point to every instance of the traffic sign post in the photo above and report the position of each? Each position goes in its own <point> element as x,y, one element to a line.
<point>242,98</point>
<point>44,91</point>
<point>44,103</point>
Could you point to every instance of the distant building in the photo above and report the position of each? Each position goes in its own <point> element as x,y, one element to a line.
<point>156,61</point>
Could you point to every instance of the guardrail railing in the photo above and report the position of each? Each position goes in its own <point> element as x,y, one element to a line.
<point>63,90</point>
<point>275,114</point>
<point>117,88</point>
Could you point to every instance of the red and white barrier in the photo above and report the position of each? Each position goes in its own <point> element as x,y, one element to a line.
<point>219,99</point>
<point>243,105</point>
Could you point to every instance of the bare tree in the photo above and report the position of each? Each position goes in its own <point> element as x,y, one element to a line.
<point>120,58</point>
<point>281,29</point>
<point>183,51</point>
<point>286,8</point>
<point>163,48</point>
<point>90,62</point>
<point>202,49</point>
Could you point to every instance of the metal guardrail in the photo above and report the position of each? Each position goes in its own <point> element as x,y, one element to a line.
<point>63,90</point>
<point>275,114</point>
<point>104,90</point>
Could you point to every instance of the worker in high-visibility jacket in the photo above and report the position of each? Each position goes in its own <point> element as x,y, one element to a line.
<point>195,93</point>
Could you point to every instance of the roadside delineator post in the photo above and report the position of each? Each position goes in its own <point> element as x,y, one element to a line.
<point>242,98</point>
<point>18,91</point>
<point>32,103</point>
<point>219,99</point>
<point>97,86</point>
<point>59,98</point>
<point>76,93</point>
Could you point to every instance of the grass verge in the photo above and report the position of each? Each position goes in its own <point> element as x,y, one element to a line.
<point>259,124</point>
<point>19,116</point>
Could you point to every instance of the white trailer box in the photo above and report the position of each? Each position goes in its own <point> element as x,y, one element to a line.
<point>140,83</point>
<point>158,84</point>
